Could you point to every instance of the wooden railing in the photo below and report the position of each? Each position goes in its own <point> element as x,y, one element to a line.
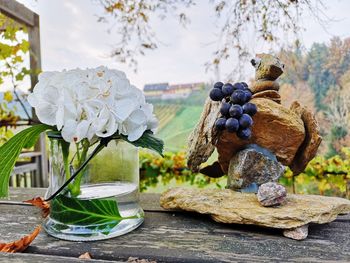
<point>28,171</point>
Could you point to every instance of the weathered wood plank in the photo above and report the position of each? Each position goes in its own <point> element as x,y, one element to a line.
<point>149,202</point>
<point>180,237</point>
<point>33,258</point>
<point>17,12</point>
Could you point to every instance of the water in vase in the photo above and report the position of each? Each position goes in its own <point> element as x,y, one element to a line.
<point>101,211</point>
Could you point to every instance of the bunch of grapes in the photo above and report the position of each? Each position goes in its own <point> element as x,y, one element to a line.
<point>236,109</point>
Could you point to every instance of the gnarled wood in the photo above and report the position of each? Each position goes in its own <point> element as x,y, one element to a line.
<point>202,139</point>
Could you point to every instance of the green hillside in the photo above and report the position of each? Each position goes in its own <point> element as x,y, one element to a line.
<point>178,128</point>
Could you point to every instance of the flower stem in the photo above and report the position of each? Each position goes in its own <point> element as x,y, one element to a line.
<point>75,186</point>
<point>103,143</point>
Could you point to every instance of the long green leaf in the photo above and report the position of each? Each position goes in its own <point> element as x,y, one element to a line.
<point>102,214</point>
<point>147,140</point>
<point>10,151</point>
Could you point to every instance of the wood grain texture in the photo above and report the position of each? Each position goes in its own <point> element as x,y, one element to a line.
<point>149,202</point>
<point>17,11</point>
<point>186,237</point>
<point>33,258</point>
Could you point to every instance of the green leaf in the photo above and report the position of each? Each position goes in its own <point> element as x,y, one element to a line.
<point>102,214</point>
<point>10,151</point>
<point>147,140</point>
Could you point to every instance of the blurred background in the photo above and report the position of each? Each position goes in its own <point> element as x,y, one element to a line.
<point>175,50</point>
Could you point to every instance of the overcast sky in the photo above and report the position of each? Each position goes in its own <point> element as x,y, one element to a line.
<point>71,37</point>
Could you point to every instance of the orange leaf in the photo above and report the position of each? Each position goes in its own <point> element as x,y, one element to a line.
<point>39,202</point>
<point>21,244</point>
<point>86,255</point>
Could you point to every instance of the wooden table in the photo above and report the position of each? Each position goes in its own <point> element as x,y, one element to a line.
<point>173,237</point>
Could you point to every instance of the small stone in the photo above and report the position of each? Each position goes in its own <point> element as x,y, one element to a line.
<point>298,233</point>
<point>261,85</point>
<point>271,194</point>
<point>268,67</point>
<point>252,166</point>
<point>268,94</point>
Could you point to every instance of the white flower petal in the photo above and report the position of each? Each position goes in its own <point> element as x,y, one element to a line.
<point>124,108</point>
<point>69,131</point>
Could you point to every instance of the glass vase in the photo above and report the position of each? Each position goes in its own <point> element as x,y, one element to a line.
<point>103,200</point>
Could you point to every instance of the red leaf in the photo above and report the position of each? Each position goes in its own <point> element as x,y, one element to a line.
<point>39,202</point>
<point>21,244</point>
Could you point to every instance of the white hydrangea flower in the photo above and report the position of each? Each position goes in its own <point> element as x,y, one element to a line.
<point>92,103</point>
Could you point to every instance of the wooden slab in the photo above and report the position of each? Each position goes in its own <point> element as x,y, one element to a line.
<point>33,258</point>
<point>149,202</point>
<point>186,237</point>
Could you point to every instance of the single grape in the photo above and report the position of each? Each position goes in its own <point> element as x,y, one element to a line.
<point>250,108</point>
<point>220,123</point>
<point>238,86</point>
<point>218,85</point>
<point>232,125</point>
<point>216,94</point>
<point>238,97</point>
<point>245,121</point>
<point>248,94</point>
<point>227,89</point>
<point>224,109</point>
<point>244,84</point>
<point>244,133</point>
<point>236,111</point>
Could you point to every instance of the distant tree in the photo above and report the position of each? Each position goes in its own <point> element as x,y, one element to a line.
<point>271,19</point>
<point>338,61</point>
<point>320,78</point>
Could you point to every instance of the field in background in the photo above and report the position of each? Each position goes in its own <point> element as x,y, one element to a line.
<point>177,119</point>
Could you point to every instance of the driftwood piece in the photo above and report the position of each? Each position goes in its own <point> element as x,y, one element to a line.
<point>202,139</point>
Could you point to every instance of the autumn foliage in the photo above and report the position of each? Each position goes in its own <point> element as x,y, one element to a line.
<point>21,244</point>
<point>43,205</point>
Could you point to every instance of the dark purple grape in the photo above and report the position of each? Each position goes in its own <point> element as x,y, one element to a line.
<point>227,89</point>
<point>238,97</point>
<point>224,109</point>
<point>236,111</point>
<point>244,84</point>
<point>250,108</point>
<point>248,95</point>
<point>218,85</point>
<point>238,86</point>
<point>245,121</point>
<point>220,123</point>
<point>232,125</point>
<point>216,94</point>
<point>244,133</point>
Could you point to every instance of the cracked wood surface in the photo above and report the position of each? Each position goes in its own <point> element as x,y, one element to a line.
<point>174,237</point>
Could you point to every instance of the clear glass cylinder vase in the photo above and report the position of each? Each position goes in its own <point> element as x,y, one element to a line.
<point>103,200</point>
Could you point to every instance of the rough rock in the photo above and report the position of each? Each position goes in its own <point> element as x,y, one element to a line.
<point>262,85</point>
<point>267,67</point>
<point>298,233</point>
<point>251,166</point>
<point>271,194</point>
<point>268,94</point>
<point>202,139</point>
<point>313,139</point>
<point>275,128</point>
<point>227,206</point>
